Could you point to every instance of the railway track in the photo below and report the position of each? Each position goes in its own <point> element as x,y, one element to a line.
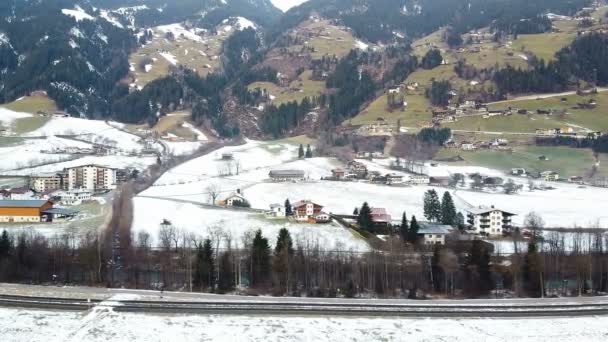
<point>252,307</point>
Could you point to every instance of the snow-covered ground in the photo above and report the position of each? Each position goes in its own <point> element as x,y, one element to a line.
<point>104,324</point>
<point>566,206</point>
<point>95,131</point>
<point>7,117</point>
<point>29,152</point>
<point>233,225</point>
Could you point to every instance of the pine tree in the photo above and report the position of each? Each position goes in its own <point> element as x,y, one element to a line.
<point>301,152</point>
<point>283,253</point>
<point>308,152</point>
<point>478,276</point>
<point>448,210</point>
<point>5,244</point>
<point>532,271</point>
<point>225,282</point>
<point>432,206</point>
<point>284,242</point>
<point>260,260</point>
<point>204,274</point>
<point>404,228</point>
<point>460,221</point>
<point>288,210</point>
<point>356,212</point>
<point>365,218</point>
<point>412,233</point>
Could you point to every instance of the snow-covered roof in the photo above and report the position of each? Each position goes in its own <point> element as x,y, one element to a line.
<point>434,228</point>
<point>485,210</point>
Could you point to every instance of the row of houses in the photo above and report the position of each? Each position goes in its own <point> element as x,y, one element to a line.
<point>566,132</point>
<point>495,144</point>
<point>88,177</point>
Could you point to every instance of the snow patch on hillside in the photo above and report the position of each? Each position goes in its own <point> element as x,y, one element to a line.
<point>169,57</point>
<point>179,31</point>
<point>108,17</point>
<point>77,13</point>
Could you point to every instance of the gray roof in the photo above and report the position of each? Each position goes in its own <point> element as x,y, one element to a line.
<point>433,228</point>
<point>484,210</point>
<point>60,211</point>
<point>22,203</point>
<point>286,173</point>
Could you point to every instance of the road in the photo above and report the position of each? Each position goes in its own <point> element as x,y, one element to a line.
<point>542,96</point>
<point>123,300</point>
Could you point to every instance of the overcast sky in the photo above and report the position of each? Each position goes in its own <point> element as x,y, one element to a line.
<point>284,5</point>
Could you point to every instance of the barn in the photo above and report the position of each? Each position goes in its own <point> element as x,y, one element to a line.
<point>16,211</point>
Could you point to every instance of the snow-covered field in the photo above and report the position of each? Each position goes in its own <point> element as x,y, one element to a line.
<point>233,225</point>
<point>113,161</point>
<point>7,117</point>
<point>95,131</point>
<point>566,206</point>
<point>104,324</point>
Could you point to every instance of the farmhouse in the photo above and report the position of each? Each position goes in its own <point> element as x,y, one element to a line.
<point>380,217</point>
<point>489,220</point>
<point>22,211</point>
<point>276,210</point>
<point>338,174</point>
<point>235,200</point>
<point>22,193</point>
<point>433,234</point>
<point>306,211</point>
<point>75,197</point>
<point>358,169</point>
<point>287,175</point>
<point>550,176</point>
<point>92,177</point>
<point>393,179</point>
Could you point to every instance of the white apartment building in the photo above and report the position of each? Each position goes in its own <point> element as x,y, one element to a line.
<point>47,182</point>
<point>489,220</point>
<point>92,177</point>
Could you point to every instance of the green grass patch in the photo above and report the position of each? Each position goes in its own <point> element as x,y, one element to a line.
<point>565,160</point>
<point>417,110</point>
<point>10,141</point>
<point>545,45</point>
<point>300,88</point>
<point>594,119</point>
<point>29,124</point>
<point>200,57</point>
<point>32,104</point>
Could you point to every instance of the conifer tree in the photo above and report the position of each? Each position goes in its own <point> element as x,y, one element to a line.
<point>365,218</point>
<point>432,206</point>
<point>260,260</point>
<point>288,210</point>
<point>412,233</point>
<point>404,228</point>
<point>301,151</point>
<point>448,210</point>
<point>204,275</point>
<point>308,152</point>
<point>5,244</point>
<point>532,271</point>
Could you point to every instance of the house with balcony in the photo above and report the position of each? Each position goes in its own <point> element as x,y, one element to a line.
<point>489,220</point>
